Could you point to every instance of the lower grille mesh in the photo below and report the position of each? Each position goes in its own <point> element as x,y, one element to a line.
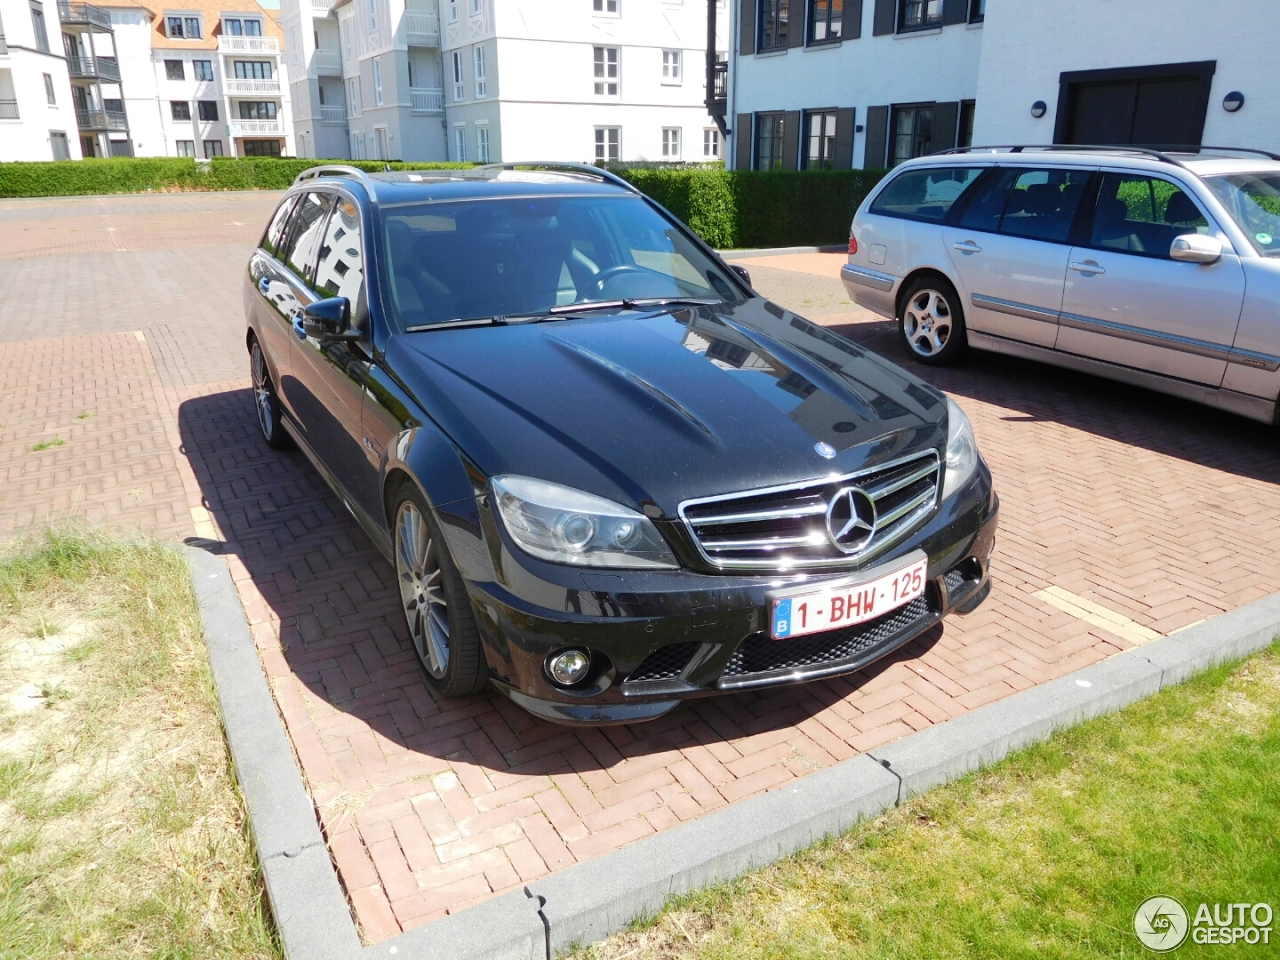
<point>665,663</point>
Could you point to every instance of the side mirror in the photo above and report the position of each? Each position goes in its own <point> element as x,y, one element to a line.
<point>742,273</point>
<point>1195,248</point>
<point>329,320</point>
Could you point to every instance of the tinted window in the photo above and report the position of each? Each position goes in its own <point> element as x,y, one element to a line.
<point>1143,215</point>
<point>1043,203</point>
<point>924,194</point>
<point>272,239</point>
<point>305,233</point>
<point>340,265</point>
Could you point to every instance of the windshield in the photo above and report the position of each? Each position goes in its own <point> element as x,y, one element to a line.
<point>1253,200</point>
<point>472,259</point>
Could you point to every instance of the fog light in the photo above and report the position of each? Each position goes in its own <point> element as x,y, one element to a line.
<point>568,667</point>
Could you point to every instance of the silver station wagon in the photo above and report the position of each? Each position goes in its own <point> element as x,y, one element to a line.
<point>1157,269</point>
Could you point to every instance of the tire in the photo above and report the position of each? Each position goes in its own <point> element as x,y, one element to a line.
<point>931,322</point>
<point>434,600</point>
<point>266,402</point>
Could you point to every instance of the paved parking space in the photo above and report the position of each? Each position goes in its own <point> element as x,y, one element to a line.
<point>1126,515</point>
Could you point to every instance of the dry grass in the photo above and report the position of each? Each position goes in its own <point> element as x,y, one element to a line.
<point>122,833</point>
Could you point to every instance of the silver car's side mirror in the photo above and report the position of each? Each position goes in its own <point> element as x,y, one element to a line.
<point>1195,248</point>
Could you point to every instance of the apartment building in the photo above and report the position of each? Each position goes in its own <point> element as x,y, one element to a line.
<point>37,107</point>
<point>871,83</point>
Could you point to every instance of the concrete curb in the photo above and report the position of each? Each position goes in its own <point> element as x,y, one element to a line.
<point>589,901</point>
<point>778,251</point>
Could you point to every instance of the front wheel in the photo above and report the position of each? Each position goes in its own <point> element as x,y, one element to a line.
<point>931,321</point>
<point>266,402</point>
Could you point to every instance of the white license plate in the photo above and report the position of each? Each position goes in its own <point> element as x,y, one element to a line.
<point>845,606</point>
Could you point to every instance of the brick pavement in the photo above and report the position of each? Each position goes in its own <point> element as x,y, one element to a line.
<point>1151,507</point>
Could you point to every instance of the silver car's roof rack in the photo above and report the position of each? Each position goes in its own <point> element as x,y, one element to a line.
<point>587,168</point>
<point>337,170</point>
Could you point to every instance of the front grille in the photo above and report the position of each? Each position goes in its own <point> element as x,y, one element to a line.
<point>759,653</point>
<point>665,663</point>
<point>786,527</point>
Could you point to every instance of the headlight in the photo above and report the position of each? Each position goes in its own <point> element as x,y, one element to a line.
<point>962,450</point>
<point>569,526</point>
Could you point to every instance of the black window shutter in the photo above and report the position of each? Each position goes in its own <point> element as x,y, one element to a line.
<point>886,18</point>
<point>946,117</point>
<point>845,118</point>
<point>790,139</point>
<point>795,23</point>
<point>747,21</point>
<point>742,134</point>
<point>851,21</point>
<point>877,138</point>
<point>955,11</point>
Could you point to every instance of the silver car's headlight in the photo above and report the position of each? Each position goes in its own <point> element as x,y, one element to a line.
<point>570,526</point>
<point>962,450</point>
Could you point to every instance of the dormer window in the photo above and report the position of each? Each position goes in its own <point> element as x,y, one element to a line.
<point>183,27</point>
<point>241,27</point>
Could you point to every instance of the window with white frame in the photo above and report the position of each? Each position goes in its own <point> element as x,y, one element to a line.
<point>482,143</point>
<point>606,71</point>
<point>482,85</point>
<point>459,91</point>
<point>671,143</point>
<point>604,6</point>
<point>460,143</point>
<point>671,66</point>
<point>608,144</point>
<point>377,83</point>
<point>710,143</point>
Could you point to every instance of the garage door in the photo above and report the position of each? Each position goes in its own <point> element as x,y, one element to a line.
<point>1141,105</point>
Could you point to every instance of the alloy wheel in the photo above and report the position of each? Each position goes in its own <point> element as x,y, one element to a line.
<point>262,393</point>
<point>422,589</point>
<point>927,322</point>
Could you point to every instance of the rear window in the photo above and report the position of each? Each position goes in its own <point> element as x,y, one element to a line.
<point>924,194</point>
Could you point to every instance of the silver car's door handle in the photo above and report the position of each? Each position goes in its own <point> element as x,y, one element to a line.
<point>968,246</point>
<point>1088,267</point>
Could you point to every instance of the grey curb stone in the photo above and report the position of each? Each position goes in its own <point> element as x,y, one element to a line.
<point>587,902</point>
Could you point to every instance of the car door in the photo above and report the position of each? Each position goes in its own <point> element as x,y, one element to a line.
<point>1127,301</point>
<point>328,375</point>
<point>274,301</point>
<point>1010,250</point>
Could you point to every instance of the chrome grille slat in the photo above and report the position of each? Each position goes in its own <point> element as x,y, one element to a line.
<point>775,527</point>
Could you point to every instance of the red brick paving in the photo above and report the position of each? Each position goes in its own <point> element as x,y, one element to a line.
<point>1152,507</point>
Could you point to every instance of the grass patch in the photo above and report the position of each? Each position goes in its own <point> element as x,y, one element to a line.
<point>1046,855</point>
<point>122,833</point>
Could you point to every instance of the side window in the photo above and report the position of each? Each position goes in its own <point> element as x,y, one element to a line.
<point>305,234</point>
<point>924,194</point>
<point>1143,215</point>
<point>1043,203</point>
<point>274,235</point>
<point>340,266</point>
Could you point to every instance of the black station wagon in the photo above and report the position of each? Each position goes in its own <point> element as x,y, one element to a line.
<point>610,476</point>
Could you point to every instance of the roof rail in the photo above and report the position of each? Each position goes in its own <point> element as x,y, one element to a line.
<point>338,170</point>
<point>589,168</point>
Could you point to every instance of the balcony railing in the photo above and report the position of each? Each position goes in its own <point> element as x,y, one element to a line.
<point>254,128</point>
<point>422,28</point>
<point>328,63</point>
<point>101,120</point>
<point>426,100</point>
<point>237,87</point>
<point>248,45</point>
<point>330,114</point>
<point>70,13</point>
<point>9,110</point>
<point>90,67</point>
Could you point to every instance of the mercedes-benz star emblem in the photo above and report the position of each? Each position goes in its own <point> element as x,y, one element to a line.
<point>824,449</point>
<point>851,519</point>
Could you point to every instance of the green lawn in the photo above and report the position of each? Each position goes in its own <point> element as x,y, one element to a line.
<point>122,833</point>
<point>1046,855</point>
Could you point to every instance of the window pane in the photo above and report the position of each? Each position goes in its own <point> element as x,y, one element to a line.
<point>1143,215</point>
<point>1043,203</point>
<point>924,194</point>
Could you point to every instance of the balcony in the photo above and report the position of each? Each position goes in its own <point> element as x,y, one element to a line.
<point>426,100</point>
<point>101,120</point>
<point>91,68</point>
<point>421,28</point>
<point>83,14</point>
<point>235,88</point>
<point>248,45</point>
<point>328,63</point>
<point>9,110</point>
<point>330,114</point>
<point>255,128</point>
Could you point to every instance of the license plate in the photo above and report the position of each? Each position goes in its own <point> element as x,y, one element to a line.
<point>844,606</point>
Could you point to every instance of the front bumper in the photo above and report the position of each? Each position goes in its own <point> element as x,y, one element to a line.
<point>660,637</point>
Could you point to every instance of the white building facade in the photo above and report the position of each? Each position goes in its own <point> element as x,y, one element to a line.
<point>37,108</point>
<point>870,83</point>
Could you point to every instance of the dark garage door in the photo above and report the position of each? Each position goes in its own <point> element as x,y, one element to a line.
<point>1163,105</point>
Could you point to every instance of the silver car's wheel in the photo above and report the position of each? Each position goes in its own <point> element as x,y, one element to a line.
<point>422,591</point>
<point>927,322</point>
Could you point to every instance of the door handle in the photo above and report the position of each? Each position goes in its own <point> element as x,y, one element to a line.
<point>264,284</point>
<point>968,246</point>
<point>299,329</point>
<point>1088,267</point>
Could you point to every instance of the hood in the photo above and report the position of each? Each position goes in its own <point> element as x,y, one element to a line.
<point>669,405</point>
